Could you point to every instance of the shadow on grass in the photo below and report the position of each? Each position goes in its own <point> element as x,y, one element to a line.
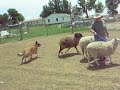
<point>68,55</point>
<point>84,60</point>
<point>29,61</point>
<point>95,67</point>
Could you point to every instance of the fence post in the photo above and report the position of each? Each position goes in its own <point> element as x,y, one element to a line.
<point>28,28</point>
<point>71,17</point>
<point>44,22</point>
<point>20,28</point>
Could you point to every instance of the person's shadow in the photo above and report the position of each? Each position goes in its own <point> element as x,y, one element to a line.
<point>66,55</point>
<point>102,66</point>
<point>84,60</point>
<point>96,67</point>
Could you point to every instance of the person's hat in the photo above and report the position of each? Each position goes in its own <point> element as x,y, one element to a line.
<point>97,15</point>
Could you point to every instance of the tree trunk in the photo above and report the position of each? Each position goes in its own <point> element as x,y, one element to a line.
<point>86,13</point>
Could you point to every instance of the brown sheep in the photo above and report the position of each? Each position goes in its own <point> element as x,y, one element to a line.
<point>69,42</point>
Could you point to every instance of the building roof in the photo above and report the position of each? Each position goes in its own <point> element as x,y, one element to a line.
<point>59,15</point>
<point>33,20</point>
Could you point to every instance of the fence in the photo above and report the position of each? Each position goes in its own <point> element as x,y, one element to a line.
<point>20,32</point>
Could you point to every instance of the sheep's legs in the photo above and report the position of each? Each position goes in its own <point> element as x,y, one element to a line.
<point>67,50</point>
<point>85,55</point>
<point>88,58</point>
<point>83,52</point>
<point>110,59</point>
<point>60,51</point>
<point>96,61</point>
<point>76,49</point>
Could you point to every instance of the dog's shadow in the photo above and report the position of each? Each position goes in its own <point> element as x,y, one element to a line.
<point>96,67</point>
<point>66,55</point>
<point>29,61</point>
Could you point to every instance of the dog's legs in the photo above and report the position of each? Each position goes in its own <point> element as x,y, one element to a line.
<point>22,60</point>
<point>30,56</point>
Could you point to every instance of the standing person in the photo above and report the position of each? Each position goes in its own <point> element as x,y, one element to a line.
<point>99,29</point>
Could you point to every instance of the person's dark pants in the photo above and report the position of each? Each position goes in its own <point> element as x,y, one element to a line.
<point>100,38</point>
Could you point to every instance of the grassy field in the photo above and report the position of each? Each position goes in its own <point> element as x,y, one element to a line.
<point>35,31</point>
<point>48,72</point>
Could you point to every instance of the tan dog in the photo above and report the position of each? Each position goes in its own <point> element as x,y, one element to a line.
<point>29,51</point>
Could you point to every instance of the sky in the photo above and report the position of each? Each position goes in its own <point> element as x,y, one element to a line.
<point>31,9</point>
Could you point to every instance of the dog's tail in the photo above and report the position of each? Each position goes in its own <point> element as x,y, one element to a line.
<point>21,53</point>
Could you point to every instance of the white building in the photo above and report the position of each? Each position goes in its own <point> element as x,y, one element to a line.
<point>38,21</point>
<point>57,18</point>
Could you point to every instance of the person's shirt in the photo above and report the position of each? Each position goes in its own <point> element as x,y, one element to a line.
<point>99,27</point>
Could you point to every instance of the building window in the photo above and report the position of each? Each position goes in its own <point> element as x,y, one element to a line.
<point>48,20</point>
<point>56,19</point>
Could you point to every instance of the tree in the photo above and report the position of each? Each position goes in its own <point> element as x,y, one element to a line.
<point>112,6</point>
<point>15,17</point>
<point>65,7</point>
<point>4,19</point>
<point>99,7</point>
<point>46,11</point>
<point>86,5</point>
<point>56,6</point>
<point>77,10</point>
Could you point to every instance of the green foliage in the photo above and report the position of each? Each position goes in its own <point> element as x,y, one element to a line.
<point>99,7</point>
<point>15,17</point>
<point>77,10</point>
<point>12,17</point>
<point>4,19</point>
<point>112,6</point>
<point>56,6</point>
<point>86,5</point>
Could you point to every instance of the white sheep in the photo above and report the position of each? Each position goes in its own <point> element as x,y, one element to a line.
<point>84,41</point>
<point>100,48</point>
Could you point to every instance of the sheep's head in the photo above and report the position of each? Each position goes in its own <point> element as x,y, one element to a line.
<point>78,35</point>
<point>37,44</point>
<point>118,40</point>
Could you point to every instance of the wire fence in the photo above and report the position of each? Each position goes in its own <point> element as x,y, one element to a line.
<point>21,32</point>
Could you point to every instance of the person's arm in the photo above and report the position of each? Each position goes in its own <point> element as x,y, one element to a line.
<point>106,31</point>
<point>92,29</point>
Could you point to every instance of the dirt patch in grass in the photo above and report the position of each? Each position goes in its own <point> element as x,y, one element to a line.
<point>49,72</point>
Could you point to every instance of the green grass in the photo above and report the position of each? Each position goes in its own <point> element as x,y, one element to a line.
<point>35,31</point>
<point>48,72</point>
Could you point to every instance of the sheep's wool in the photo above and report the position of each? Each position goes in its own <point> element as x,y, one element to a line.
<point>101,48</point>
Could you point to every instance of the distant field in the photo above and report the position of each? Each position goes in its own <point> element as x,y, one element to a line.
<point>35,31</point>
<point>48,72</point>
<point>113,26</point>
